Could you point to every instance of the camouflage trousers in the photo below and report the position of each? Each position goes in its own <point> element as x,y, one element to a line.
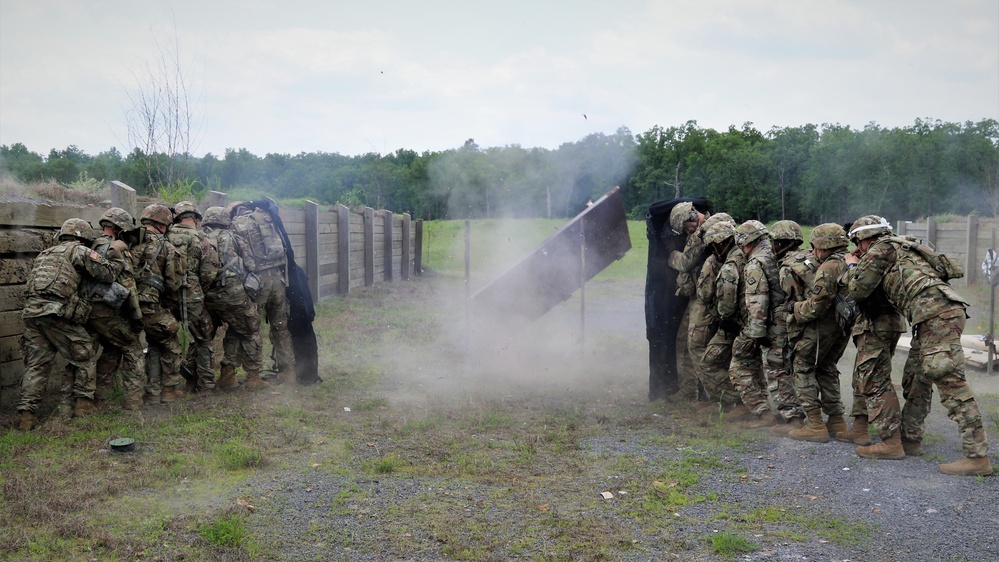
<point>163,352</point>
<point>273,303</point>
<point>747,374</point>
<point>43,338</point>
<point>937,358</point>
<point>241,344</point>
<point>121,358</point>
<point>816,378</point>
<point>684,363</point>
<point>780,382</point>
<point>702,329</point>
<point>714,363</point>
<point>874,394</point>
<point>199,355</point>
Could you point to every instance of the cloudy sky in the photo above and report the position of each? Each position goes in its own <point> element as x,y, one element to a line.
<point>354,77</point>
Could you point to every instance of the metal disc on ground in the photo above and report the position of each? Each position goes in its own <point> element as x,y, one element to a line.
<point>122,445</point>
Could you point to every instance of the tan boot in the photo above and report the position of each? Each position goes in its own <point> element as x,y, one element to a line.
<point>814,430</point>
<point>254,382</point>
<point>171,394</point>
<point>890,448</point>
<point>84,407</point>
<point>787,427</point>
<point>227,379</point>
<point>978,466</point>
<point>737,412</point>
<point>764,420</point>
<point>28,421</point>
<point>912,448</point>
<point>836,424</point>
<point>287,376</point>
<point>858,434</point>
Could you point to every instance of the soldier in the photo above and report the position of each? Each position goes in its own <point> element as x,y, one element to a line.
<point>54,315</point>
<point>269,267</point>
<point>937,315</point>
<point>823,341</point>
<point>116,316</point>
<point>761,297</point>
<point>202,267</point>
<point>227,301</point>
<point>713,361</point>
<point>875,334</point>
<point>159,276</point>
<point>796,269</point>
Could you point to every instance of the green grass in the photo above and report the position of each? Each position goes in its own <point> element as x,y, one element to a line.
<point>731,545</point>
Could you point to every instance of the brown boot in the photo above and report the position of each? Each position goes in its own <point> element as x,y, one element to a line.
<point>762,421</point>
<point>788,426</point>
<point>858,434</point>
<point>28,421</point>
<point>254,382</point>
<point>227,379</point>
<point>890,448</point>
<point>836,424</point>
<point>171,394</point>
<point>287,376</point>
<point>968,466</point>
<point>814,430</point>
<point>912,448</point>
<point>737,412</point>
<point>84,407</point>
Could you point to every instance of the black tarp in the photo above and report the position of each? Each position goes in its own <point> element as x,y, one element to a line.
<point>663,307</point>
<point>302,310</point>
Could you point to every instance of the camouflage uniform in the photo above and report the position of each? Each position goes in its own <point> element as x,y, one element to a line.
<point>118,328</point>
<point>718,289</point>
<point>54,315</point>
<point>875,334</point>
<point>159,276</point>
<point>268,262</point>
<point>202,267</point>
<point>761,293</point>
<point>796,272</point>
<point>937,314</point>
<point>227,301</point>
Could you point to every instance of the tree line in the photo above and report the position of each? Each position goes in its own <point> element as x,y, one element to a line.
<point>812,174</point>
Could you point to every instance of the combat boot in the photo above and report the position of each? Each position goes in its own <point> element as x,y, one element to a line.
<point>132,401</point>
<point>736,412</point>
<point>84,407</point>
<point>788,426</point>
<point>890,448</point>
<point>286,376</point>
<point>858,434</point>
<point>171,394</point>
<point>28,421</point>
<point>912,448</point>
<point>227,379</point>
<point>968,466</point>
<point>836,424</point>
<point>254,382</point>
<point>814,430</point>
<point>764,420</point>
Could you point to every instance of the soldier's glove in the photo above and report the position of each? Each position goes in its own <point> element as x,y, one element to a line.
<point>135,326</point>
<point>730,326</point>
<point>763,342</point>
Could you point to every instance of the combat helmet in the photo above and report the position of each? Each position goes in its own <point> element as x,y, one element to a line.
<point>719,232</point>
<point>787,230</point>
<point>216,216</point>
<point>118,218</point>
<point>711,220</point>
<point>77,228</point>
<point>869,226</point>
<point>828,236</point>
<point>183,208</point>
<point>681,213</point>
<point>160,214</point>
<point>749,232</point>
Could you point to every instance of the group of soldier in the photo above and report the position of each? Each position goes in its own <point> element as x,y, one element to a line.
<point>138,307</point>
<point>768,321</point>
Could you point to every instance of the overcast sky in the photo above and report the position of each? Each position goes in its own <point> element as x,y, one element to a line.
<point>373,76</point>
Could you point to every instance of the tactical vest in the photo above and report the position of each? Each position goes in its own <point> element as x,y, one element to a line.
<point>232,265</point>
<point>264,239</point>
<point>150,261</point>
<point>53,276</point>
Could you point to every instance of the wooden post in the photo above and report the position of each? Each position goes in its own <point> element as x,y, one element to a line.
<point>312,247</point>
<point>388,244</point>
<point>901,227</point>
<point>931,231</point>
<point>217,199</point>
<point>343,249</point>
<point>123,197</point>
<point>369,246</point>
<point>418,258</point>
<point>971,256</point>
<point>404,270</point>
